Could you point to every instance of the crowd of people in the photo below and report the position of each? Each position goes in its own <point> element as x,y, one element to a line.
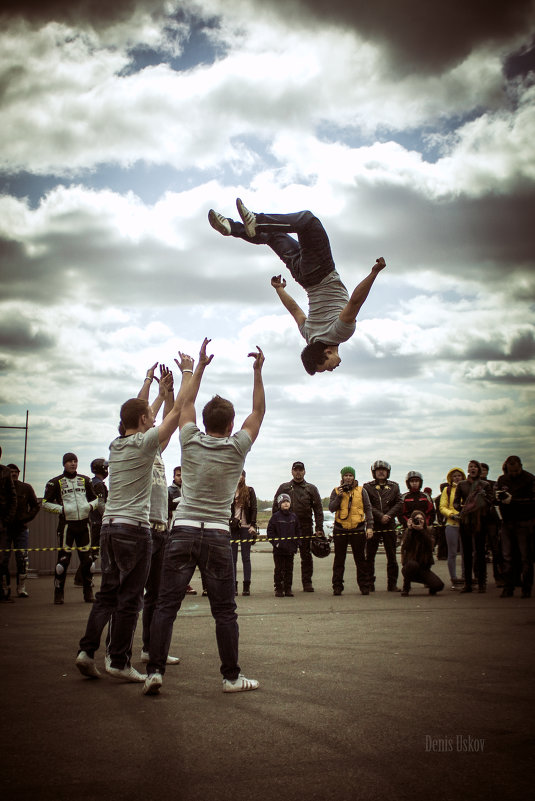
<point>151,538</point>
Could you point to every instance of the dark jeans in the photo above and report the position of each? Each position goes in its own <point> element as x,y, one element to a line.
<point>75,532</point>
<point>412,571</point>
<point>16,539</point>
<point>307,562</point>
<point>284,571</point>
<point>495,545</point>
<point>125,552</point>
<point>243,540</point>
<point>390,541</point>
<point>474,541</point>
<point>518,537</point>
<point>152,587</point>
<point>310,259</point>
<point>357,540</point>
<point>187,548</point>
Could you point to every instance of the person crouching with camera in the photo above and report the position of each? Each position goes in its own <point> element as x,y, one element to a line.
<point>353,525</point>
<point>417,556</point>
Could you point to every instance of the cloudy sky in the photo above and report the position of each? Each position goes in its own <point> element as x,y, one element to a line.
<point>407,127</point>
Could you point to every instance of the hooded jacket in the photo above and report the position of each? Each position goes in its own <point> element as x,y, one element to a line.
<point>447,509</point>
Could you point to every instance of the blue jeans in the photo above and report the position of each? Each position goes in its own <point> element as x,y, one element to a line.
<point>310,259</point>
<point>243,540</point>
<point>187,548</point>
<point>125,552</point>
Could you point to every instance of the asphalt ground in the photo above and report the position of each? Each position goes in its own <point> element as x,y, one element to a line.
<point>361,697</point>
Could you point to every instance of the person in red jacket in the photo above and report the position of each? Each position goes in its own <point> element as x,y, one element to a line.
<point>416,499</point>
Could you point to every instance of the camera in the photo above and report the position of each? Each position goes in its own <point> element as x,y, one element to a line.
<point>501,494</point>
<point>347,487</point>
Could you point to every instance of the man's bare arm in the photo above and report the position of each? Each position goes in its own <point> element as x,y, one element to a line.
<point>143,393</point>
<point>187,412</point>
<point>170,423</point>
<point>287,301</point>
<point>252,423</point>
<point>360,293</point>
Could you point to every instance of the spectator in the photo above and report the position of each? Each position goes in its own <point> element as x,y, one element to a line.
<point>174,493</point>
<point>415,498</point>
<point>386,502</point>
<point>417,555</point>
<point>8,508</point>
<point>283,531</point>
<point>99,468</point>
<point>71,497</point>
<point>440,525</point>
<point>515,493</point>
<point>306,501</point>
<point>473,499</point>
<point>17,531</point>
<point>494,544</point>
<point>212,463</point>
<point>243,530</point>
<point>451,516</point>
<point>353,525</point>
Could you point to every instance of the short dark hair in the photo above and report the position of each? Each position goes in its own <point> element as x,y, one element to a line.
<point>510,461</point>
<point>485,465</point>
<point>131,411</point>
<point>178,467</point>
<point>313,355</point>
<point>13,467</point>
<point>218,414</point>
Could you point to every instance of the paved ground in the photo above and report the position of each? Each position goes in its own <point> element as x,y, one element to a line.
<point>377,697</point>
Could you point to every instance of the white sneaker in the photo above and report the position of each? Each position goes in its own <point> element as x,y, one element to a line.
<point>240,685</point>
<point>220,223</point>
<point>152,685</point>
<point>128,673</point>
<point>171,660</point>
<point>248,218</point>
<point>86,666</point>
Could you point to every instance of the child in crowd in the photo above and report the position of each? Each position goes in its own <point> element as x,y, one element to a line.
<point>283,532</point>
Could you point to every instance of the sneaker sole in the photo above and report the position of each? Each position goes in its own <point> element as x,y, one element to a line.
<point>218,226</point>
<point>89,672</point>
<point>152,689</point>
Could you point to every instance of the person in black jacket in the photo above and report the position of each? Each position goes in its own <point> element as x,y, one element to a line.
<point>515,493</point>
<point>17,531</point>
<point>386,504</point>
<point>473,500</point>
<point>305,501</point>
<point>8,507</point>
<point>243,530</point>
<point>283,532</point>
<point>417,555</point>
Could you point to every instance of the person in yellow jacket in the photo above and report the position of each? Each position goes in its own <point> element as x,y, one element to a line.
<point>451,516</point>
<point>353,525</point>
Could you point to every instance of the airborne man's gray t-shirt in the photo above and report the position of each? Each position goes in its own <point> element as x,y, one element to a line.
<point>325,302</point>
<point>130,476</point>
<point>211,469</point>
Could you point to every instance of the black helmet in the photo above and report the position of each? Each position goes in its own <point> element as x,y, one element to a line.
<point>380,463</point>
<point>414,474</point>
<point>99,466</point>
<point>320,546</point>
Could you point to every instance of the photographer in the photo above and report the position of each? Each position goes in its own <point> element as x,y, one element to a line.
<point>353,525</point>
<point>515,494</point>
<point>417,555</point>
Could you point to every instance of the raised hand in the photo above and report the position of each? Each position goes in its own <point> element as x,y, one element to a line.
<point>150,371</point>
<point>203,358</point>
<point>166,380</point>
<point>277,282</point>
<point>259,358</point>
<point>186,362</point>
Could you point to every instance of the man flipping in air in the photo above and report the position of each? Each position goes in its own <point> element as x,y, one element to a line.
<point>331,311</point>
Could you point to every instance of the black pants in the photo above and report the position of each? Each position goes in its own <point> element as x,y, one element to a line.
<point>357,540</point>
<point>474,541</point>
<point>390,541</point>
<point>412,571</point>
<point>74,532</point>
<point>284,569</point>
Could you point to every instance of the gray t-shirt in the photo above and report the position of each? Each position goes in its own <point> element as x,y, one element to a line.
<point>130,476</point>
<point>158,495</point>
<point>211,469</point>
<point>325,302</point>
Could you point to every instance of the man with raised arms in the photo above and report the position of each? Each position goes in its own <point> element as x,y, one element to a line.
<point>212,464</point>
<point>332,313</point>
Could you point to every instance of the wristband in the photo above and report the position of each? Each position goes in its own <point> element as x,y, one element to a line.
<point>187,370</point>
<point>147,379</point>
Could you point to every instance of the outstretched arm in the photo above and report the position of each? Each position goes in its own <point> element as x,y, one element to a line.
<point>171,420</point>
<point>287,301</point>
<point>145,387</point>
<point>360,293</point>
<point>254,421</point>
<point>187,412</point>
